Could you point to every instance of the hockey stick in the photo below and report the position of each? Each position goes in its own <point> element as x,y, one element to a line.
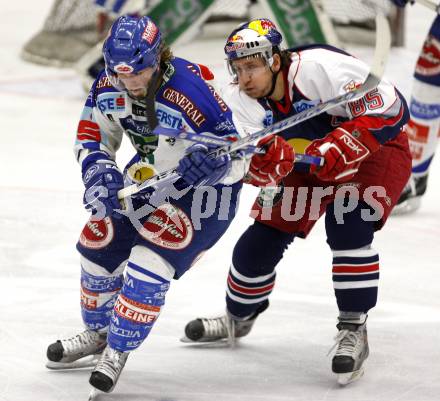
<point>383,43</point>
<point>211,140</point>
<point>430,4</point>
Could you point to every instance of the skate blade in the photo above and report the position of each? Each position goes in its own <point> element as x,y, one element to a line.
<point>221,343</point>
<point>83,363</point>
<point>409,206</point>
<point>186,340</point>
<point>94,393</point>
<point>347,378</point>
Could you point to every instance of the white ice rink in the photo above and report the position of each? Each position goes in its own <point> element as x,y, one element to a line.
<point>284,358</point>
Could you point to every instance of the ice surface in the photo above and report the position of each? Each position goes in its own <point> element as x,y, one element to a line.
<point>284,358</point>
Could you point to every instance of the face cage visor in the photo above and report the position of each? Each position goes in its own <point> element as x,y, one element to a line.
<point>117,82</point>
<point>268,61</point>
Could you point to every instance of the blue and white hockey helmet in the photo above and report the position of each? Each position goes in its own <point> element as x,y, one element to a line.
<point>132,45</point>
<point>258,37</point>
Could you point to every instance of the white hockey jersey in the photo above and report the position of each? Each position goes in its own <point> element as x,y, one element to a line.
<point>317,73</point>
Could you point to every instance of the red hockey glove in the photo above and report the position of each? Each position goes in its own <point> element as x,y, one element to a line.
<point>343,152</point>
<point>269,168</point>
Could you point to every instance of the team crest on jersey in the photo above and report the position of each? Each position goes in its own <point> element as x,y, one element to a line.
<point>97,234</point>
<point>304,105</point>
<point>428,63</point>
<point>168,227</point>
<point>351,86</point>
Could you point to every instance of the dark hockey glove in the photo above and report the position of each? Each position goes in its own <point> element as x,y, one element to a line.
<point>197,168</point>
<point>343,152</point>
<point>102,180</point>
<point>269,168</point>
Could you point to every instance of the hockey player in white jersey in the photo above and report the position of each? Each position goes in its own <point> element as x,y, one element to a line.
<point>363,146</point>
<point>143,85</point>
<point>424,126</point>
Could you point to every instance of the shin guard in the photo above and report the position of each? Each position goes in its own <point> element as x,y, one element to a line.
<point>140,301</point>
<point>99,289</point>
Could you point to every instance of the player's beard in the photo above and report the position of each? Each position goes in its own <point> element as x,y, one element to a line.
<point>140,93</point>
<point>153,84</point>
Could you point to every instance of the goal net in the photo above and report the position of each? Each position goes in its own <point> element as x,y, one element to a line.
<point>69,30</point>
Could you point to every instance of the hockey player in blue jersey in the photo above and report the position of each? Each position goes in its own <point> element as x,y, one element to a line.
<point>364,147</point>
<point>424,126</point>
<point>143,85</point>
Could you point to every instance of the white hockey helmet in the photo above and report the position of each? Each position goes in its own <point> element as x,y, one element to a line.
<point>257,38</point>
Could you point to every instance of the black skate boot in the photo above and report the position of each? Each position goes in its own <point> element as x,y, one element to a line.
<point>351,352</point>
<point>225,327</point>
<point>65,354</point>
<point>411,196</point>
<point>106,373</point>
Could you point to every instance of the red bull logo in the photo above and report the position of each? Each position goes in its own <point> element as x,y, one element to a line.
<point>262,26</point>
<point>235,38</point>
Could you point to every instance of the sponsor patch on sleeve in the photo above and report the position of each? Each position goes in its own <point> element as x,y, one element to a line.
<point>185,104</point>
<point>110,102</point>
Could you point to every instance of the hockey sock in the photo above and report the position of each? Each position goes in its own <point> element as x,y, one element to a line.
<point>355,279</point>
<point>245,295</point>
<point>252,274</point>
<point>140,301</point>
<point>99,289</point>
<point>423,128</point>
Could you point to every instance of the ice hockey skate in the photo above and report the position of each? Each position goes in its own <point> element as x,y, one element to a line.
<point>106,373</point>
<point>218,329</point>
<point>79,351</point>
<point>411,197</point>
<point>351,352</point>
